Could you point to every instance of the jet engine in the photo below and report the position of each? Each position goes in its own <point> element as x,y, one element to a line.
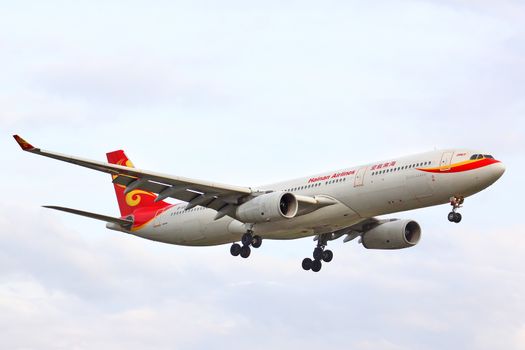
<point>396,234</point>
<point>268,207</point>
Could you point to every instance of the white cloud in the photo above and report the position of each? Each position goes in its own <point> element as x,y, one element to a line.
<point>72,289</point>
<point>247,95</point>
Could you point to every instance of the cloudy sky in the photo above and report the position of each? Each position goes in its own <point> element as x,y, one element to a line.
<point>247,94</point>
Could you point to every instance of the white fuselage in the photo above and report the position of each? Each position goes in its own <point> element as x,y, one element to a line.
<point>360,192</point>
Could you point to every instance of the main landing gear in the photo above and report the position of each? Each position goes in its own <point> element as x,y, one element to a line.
<point>247,240</point>
<point>456,203</point>
<point>320,254</point>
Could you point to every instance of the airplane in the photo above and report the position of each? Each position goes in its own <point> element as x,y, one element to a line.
<point>327,206</point>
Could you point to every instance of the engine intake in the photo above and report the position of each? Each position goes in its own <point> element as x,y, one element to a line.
<point>268,207</point>
<point>397,234</point>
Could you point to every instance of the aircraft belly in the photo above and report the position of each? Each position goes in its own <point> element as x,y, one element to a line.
<point>204,231</point>
<point>324,220</point>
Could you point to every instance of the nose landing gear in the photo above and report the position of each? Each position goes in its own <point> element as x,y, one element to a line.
<point>456,203</point>
<point>319,255</point>
<point>247,240</point>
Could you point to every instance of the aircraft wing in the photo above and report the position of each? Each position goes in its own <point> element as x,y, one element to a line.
<point>213,195</point>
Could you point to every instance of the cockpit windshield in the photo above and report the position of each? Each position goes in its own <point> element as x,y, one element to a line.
<point>481,156</point>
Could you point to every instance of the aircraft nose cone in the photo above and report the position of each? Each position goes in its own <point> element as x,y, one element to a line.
<point>498,169</point>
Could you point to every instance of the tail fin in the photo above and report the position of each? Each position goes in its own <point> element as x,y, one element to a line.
<point>136,199</point>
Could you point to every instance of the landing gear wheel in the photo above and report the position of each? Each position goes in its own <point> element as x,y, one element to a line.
<point>307,264</point>
<point>316,265</point>
<point>328,256</point>
<point>235,249</point>
<point>256,241</point>
<point>456,203</point>
<point>318,253</point>
<point>245,251</point>
<point>247,239</point>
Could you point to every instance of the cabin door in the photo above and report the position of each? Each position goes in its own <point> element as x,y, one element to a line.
<point>446,159</point>
<point>360,177</point>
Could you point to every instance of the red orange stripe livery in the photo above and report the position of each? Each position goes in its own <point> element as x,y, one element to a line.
<point>461,166</point>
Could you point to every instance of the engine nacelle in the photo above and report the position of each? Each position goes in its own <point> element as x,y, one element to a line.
<point>268,207</point>
<point>392,235</point>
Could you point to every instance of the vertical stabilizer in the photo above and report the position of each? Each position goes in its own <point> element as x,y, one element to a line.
<point>136,199</point>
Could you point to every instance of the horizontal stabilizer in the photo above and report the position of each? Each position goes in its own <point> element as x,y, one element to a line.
<point>122,222</point>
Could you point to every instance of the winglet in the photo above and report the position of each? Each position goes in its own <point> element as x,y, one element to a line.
<point>26,146</point>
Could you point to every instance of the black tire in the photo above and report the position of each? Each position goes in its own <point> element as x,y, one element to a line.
<point>245,251</point>
<point>256,241</point>
<point>451,216</point>
<point>235,249</point>
<point>247,239</point>
<point>328,256</point>
<point>307,264</point>
<point>457,218</point>
<point>318,253</point>
<point>316,265</point>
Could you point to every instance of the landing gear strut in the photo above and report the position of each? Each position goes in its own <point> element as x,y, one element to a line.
<point>247,240</point>
<point>456,203</point>
<point>319,255</point>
